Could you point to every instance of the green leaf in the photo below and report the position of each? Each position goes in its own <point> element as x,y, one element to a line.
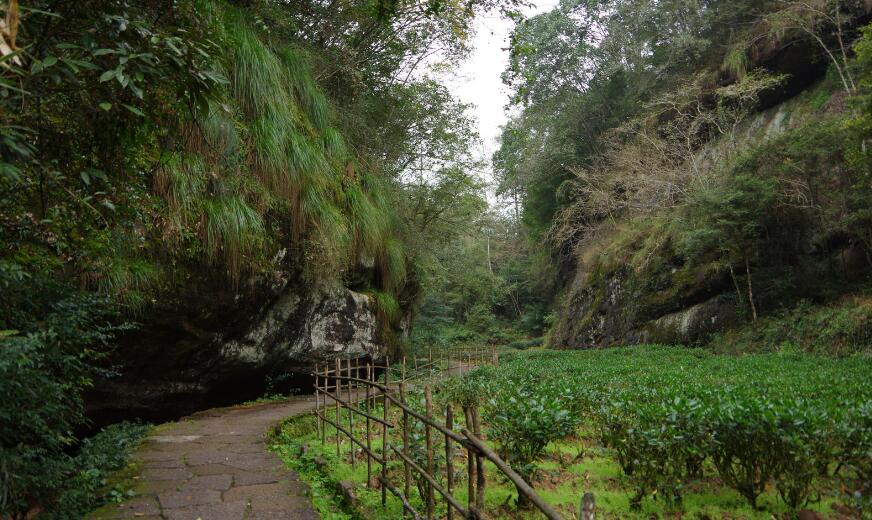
<point>106,106</point>
<point>106,76</point>
<point>135,110</point>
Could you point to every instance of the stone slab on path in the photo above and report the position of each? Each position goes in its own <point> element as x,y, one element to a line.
<point>214,465</point>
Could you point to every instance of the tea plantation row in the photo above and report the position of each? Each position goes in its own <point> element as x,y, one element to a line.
<point>666,413</point>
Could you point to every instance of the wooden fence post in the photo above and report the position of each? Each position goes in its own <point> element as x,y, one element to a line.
<point>587,507</point>
<point>384,461</point>
<point>350,416</point>
<point>470,465</point>
<point>317,403</point>
<point>337,390</point>
<point>449,464</point>
<point>368,430</point>
<point>479,463</point>
<point>407,471</point>
<point>324,408</point>
<point>428,439</point>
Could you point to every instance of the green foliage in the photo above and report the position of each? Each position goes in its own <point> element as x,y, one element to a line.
<point>523,422</point>
<point>839,328</point>
<point>758,440</point>
<point>140,151</point>
<point>490,284</point>
<point>524,344</point>
<point>730,218</point>
<point>665,412</point>
<point>43,370</point>
<point>578,72</point>
<point>89,484</point>
<point>855,452</point>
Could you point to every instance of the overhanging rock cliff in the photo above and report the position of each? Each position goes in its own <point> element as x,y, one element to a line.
<point>227,348</point>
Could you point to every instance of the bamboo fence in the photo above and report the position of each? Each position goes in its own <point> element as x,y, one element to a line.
<point>349,382</point>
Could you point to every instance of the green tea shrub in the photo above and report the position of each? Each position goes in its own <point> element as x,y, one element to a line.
<point>803,451</point>
<point>524,344</point>
<point>856,457</point>
<point>469,390</point>
<point>746,435</point>
<point>660,443</point>
<point>767,420</point>
<point>523,421</point>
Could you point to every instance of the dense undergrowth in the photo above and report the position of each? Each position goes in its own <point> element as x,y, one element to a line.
<point>74,485</point>
<point>840,328</point>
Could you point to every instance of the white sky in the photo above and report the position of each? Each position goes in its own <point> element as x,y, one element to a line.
<point>478,82</point>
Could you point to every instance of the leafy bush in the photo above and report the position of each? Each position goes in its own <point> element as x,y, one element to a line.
<point>660,442</point>
<point>839,328</point>
<point>523,422</point>
<point>759,440</point>
<point>88,487</point>
<point>856,456</point>
<point>47,358</point>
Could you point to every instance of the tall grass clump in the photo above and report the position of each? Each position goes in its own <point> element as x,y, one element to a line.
<point>267,157</point>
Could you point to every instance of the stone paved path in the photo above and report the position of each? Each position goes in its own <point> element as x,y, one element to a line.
<point>215,465</point>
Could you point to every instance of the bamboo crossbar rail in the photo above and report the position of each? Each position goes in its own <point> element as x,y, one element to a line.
<point>512,475</point>
<point>347,434</point>
<point>329,371</point>
<point>386,392</point>
<point>406,505</point>
<point>358,411</point>
<point>448,496</point>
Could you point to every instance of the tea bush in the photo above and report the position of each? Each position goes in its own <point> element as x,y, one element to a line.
<point>523,422</point>
<point>781,420</point>
<point>856,456</point>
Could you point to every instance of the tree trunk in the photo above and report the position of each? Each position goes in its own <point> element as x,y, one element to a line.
<point>523,501</point>
<point>490,266</point>
<point>750,290</point>
<point>736,285</point>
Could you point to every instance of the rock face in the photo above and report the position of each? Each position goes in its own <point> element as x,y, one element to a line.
<point>298,333</point>
<point>663,304</point>
<point>691,324</point>
<point>227,348</point>
<point>621,296</point>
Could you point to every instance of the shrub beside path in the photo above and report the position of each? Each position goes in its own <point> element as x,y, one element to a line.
<point>215,465</point>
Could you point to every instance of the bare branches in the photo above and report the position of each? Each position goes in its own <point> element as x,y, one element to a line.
<point>655,161</point>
